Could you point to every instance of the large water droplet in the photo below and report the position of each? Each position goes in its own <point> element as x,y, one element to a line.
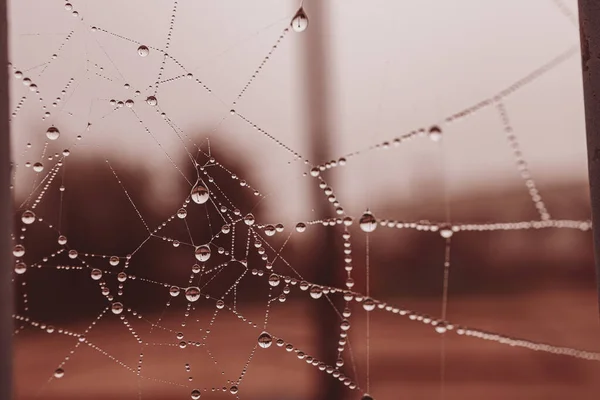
<point>19,250</point>
<point>202,253</point>
<point>270,230</point>
<point>366,397</point>
<point>368,304</point>
<point>435,133</point>
<point>96,274</point>
<point>117,308</point>
<point>367,222</point>
<point>143,51</point>
<point>121,276</point>
<point>38,167</point>
<point>300,21</point>
<point>249,219</point>
<point>274,280</point>
<point>315,292</point>
<point>182,213</point>
<point>220,304</point>
<point>62,240</point>
<point>59,373</point>
<point>52,133</point>
<point>20,268</point>
<point>199,194</point>
<point>114,261</point>
<point>195,394</point>
<point>151,100</point>
<point>265,340</point>
<point>233,389</point>
<point>300,227</point>
<point>192,293</point>
<point>174,291</point>
<point>28,217</point>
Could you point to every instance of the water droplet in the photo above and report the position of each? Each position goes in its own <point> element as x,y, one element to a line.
<point>73,254</point>
<point>202,253</point>
<point>182,213</point>
<point>233,389</point>
<point>441,327</point>
<point>174,291</point>
<point>117,308</point>
<point>143,51</point>
<point>249,219</point>
<point>195,394</point>
<point>192,293</point>
<point>345,325</point>
<point>121,276</point>
<point>435,133</point>
<point>114,261</point>
<point>315,292</point>
<point>274,280</point>
<point>96,274</point>
<point>20,268</point>
<point>151,100</point>
<point>265,340</point>
<point>300,21</point>
<point>28,217</point>
<point>129,103</point>
<point>199,194</point>
<point>446,232</point>
<point>38,167</point>
<point>62,240</point>
<point>195,268</point>
<point>368,304</point>
<point>270,230</point>
<point>59,373</point>
<point>220,304</point>
<point>300,227</point>
<point>52,133</point>
<point>367,222</point>
<point>226,228</point>
<point>315,171</point>
<point>19,250</point>
<point>339,363</point>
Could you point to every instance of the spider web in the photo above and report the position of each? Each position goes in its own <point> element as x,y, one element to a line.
<point>111,94</point>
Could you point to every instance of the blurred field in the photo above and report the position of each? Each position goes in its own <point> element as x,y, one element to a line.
<point>405,355</point>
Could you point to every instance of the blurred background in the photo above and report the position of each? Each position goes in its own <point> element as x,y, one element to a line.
<point>362,73</point>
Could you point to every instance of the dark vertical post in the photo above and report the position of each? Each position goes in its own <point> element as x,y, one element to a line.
<point>589,26</point>
<point>326,264</point>
<point>6,260</point>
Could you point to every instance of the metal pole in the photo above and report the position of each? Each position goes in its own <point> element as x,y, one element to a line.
<point>6,260</point>
<point>326,264</point>
<point>589,26</point>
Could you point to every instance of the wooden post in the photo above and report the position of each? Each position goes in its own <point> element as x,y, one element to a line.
<point>6,221</point>
<point>327,269</point>
<point>589,28</point>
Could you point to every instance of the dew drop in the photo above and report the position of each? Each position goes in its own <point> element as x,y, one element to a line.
<point>73,254</point>
<point>366,397</point>
<point>114,261</point>
<point>270,230</point>
<point>20,268</point>
<point>143,51</point>
<point>59,373</point>
<point>19,250</point>
<point>192,293</point>
<point>195,394</point>
<point>62,240</point>
<point>265,340</point>
<point>121,276</point>
<point>199,194</point>
<point>28,217</point>
<point>117,308</point>
<point>274,280</point>
<point>174,291</point>
<point>151,100</point>
<point>368,304</point>
<point>300,21</point>
<point>446,232</point>
<point>435,133</point>
<point>38,167</point>
<point>233,389</point>
<point>182,213</point>
<point>300,227</point>
<point>345,325</point>
<point>315,292</point>
<point>202,253</point>
<point>220,304</point>
<point>52,133</point>
<point>315,171</point>
<point>367,222</point>
<point>249,219</point>
<point>96,274</point>
<point>226,228</point>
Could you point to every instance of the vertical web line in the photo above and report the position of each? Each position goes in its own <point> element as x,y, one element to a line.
<point>368,272</point>
<point>446,277</point>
